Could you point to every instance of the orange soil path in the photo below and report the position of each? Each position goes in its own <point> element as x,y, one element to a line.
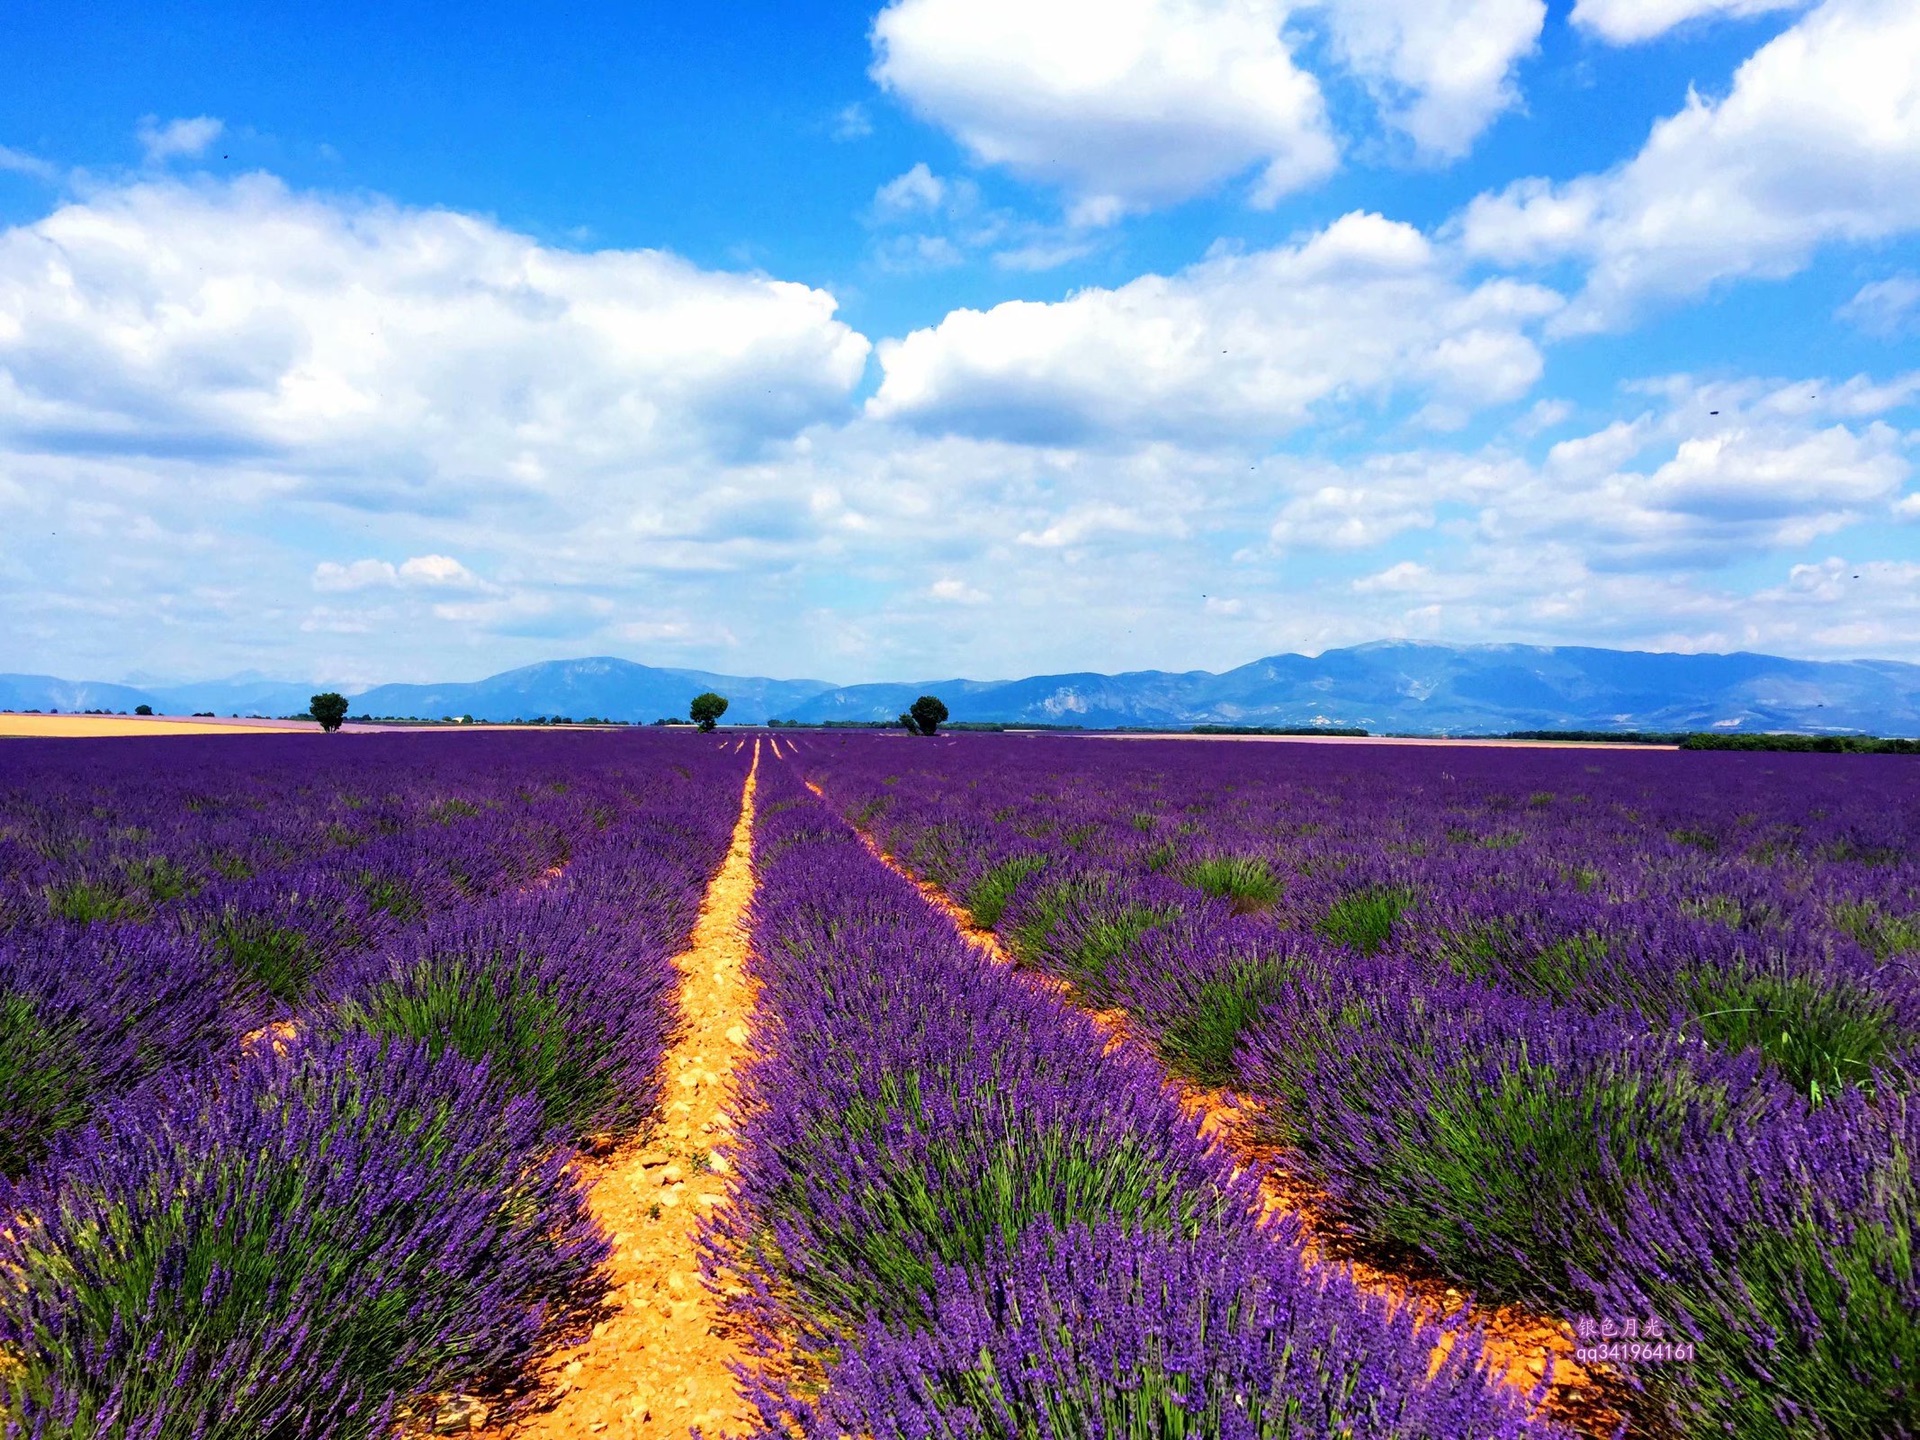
<point>1519,1345</point>
<point>660,1363</point>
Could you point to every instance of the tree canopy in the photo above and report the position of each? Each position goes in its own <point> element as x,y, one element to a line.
<point>925,715</point>
<point>707,709</point>
<point>330,709</point>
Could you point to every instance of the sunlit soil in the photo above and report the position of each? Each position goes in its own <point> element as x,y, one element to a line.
<point>661,1361</point>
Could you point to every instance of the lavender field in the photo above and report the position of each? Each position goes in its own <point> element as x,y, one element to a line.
<point>296,1043</point>
<point>1618,1037</point>
<point>345,1088</point>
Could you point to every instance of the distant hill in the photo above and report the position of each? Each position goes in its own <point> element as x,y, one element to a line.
<point>1391,686</point>
<point>611,689</point>
<point>44,692</point>
<point>1397,686</point>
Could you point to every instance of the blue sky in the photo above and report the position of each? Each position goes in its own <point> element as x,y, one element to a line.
<point>954,336</point>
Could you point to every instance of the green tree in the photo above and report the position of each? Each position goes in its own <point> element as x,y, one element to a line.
<point>928,714</point>
<point>143,709</point>
<point>707,709</point>
<point>330,709</point>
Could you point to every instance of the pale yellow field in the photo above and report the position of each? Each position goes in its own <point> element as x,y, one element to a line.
<point>92,726</point>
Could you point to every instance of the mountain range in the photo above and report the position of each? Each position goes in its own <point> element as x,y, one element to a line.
<point>1385,687</point>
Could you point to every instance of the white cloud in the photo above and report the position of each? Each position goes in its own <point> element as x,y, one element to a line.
<point>953,225</point>
<point>1542,416</point>
<point>1629,22</point>
<point>1045,253</point>
<point>917,191</point>
<point>1365,503</point>
<point>852,123</point>
<point>1441,70</point>
<point>358,575</point>
<point>433,571</point>
<point>156,416</point>
<point>19,162</point>
<point>1124,104</point>
<point>1343,517</point>
<point>956,592</point>
<point>415,354</point>
<point>1097,521</point>
<point>1239,345</point>
<point>1817,142</point>
<point>1886,307</point>
<point>918,254</point>
<point>177,139</point>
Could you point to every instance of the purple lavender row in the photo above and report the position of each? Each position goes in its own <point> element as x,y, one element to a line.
<point>975,1221</point>
<point>314,1243</point>
<point>97,830</point>
<point>1809,960</point>
<point>1499,1058</point>
<point>90,1011</point>
<point>569,990</point>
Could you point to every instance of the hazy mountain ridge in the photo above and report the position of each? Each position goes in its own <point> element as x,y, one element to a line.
<point>1385,686</point>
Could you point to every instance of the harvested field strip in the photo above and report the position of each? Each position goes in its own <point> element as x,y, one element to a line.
<point>659,1363</point>
<point>96,727</point>
<point>1519,1345</point>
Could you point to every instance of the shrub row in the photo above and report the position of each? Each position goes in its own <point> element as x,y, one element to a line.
<point>316,1237</point>
<point>957,1214</point>
<point>1648,1055</point>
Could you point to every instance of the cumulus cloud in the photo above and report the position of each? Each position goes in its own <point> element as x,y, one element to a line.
<point>1237,346</point>
<point>408,351</point>
<point>1630,22</point>
<point>1671,493</point>
<point>230,418</point>
<point>1123,104</point>
<point>177,139</point>
<point>1817,142</point>
<point>1441,70</point>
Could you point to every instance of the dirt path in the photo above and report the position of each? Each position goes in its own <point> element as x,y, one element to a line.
<point>660,1363</point>
<point>1519,1344</point>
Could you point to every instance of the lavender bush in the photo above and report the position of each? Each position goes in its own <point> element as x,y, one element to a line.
<point>1503,1004</point>
<point>297,1249</point>
<point>87,1013</point>
<point>1106,1332</point>
<point>1789,1264</point>
<point>981,1220</point>
<point>1487,1132</point>
<point>561,996</point>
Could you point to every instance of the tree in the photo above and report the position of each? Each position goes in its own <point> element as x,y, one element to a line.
<point>707,709</point>
<point>329,709</point>
<point>143,709</point>
<point>927,714</point>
